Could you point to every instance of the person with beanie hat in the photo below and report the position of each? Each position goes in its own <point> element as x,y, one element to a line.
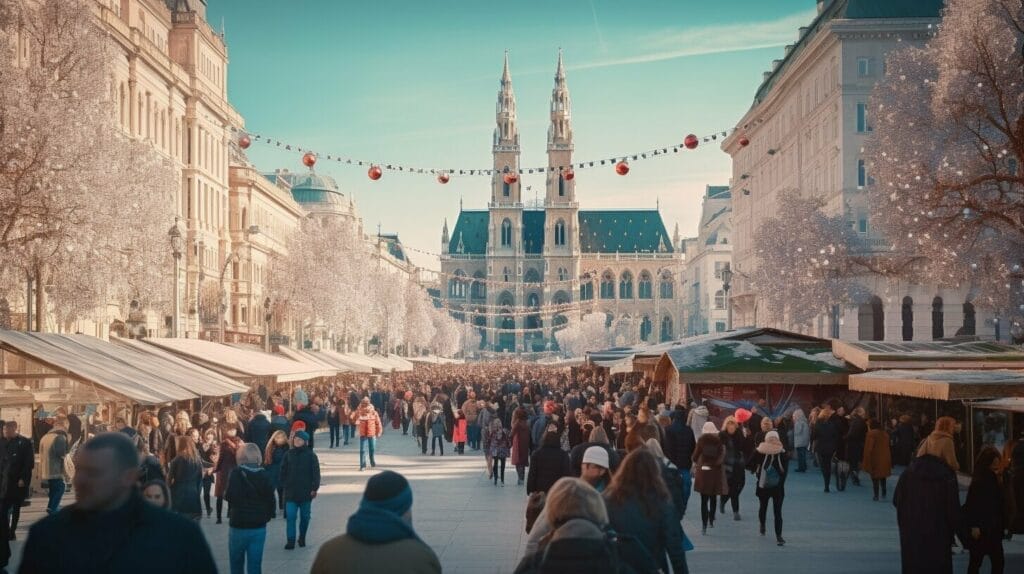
<point>380,537</point>
<point>769,468</point>
<point>594,468</point>
<point>300,480</point>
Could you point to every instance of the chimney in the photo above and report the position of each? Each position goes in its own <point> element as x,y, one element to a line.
<point>789,49</point>
<point>821,6</point>
<point>775,64</point>
<point>803,32</point>
<point>767,75</point>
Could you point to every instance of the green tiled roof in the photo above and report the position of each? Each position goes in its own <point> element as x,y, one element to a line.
<point>471,229</point>
<point>623,231</point>
<point>854,10</point>
<point>394,246</point>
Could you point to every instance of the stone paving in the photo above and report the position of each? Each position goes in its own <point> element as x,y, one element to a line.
<point>475,527</point>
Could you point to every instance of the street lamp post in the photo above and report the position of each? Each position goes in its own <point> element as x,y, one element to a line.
<point>177,248</point>
<point>726,284</point>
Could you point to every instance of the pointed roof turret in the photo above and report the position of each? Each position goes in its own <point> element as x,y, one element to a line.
<point>444,232</point>
<point>560,130</point>
<point>560,72</point>
<point>506,76</point>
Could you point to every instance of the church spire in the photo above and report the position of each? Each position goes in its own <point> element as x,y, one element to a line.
<point>507,132</point>
<point>560,131</point>
<point>445,240</point>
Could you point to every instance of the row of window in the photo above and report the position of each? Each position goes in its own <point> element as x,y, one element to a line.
<point>871,320</point>
<point>506,232</point>
<point>625,284</point>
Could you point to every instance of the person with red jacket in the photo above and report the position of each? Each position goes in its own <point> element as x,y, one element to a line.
<point>370,428</point>
<point>459,434</point>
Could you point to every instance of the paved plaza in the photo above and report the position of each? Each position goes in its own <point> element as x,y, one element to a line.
<point>475,527</point>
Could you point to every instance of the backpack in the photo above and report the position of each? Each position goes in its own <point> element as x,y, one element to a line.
<point>770,477</point>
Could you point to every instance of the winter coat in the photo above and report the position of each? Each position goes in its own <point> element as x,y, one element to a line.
<point>679,442</point>
<point>904,439</point>
<point>300,474</point>
<point>436,422</point>
<point>136,537</point>
<point>17,466</point>
<point>279,423</point>
<point>368,423</point>
<point>547,465</point>
<point>185,478</point>
<point>877,459</point>
<point>660,534</point>
<point>759,462</point>
<point>499,443</point>
<point>309,419</point>
<point>985,506</point>
<point>698,416</point>
<point>459,434</point>
<point>826,438</point>
<point>520,444</point>
<point>940,444</point>
<point>927,512</point>
<point>471,409</point>
<point>226,462</point>
<point>801,431</point>
<point>377,542</point>
<point>251,497</point>
<point>52,449</point>
<point>258,432</point>
<point>737,452</point>
<point>274,468</point>
<point>709,474</point>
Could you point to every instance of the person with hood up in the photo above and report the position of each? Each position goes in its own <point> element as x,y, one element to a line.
<point>801,439</point>
<point>300,479</point>
<point>258,431</point>
<point>370,428</point>
<point>940,443</point>
<point>770,471</point>
<point>438,428</point>
<point>251,497</point>
<point>380,538</point>
<point>928,513</point>
<point>710,481</point>
<point>547,464</point>
<point>696,419</point>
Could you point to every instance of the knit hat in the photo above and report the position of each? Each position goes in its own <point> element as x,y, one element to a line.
<point>387,491</point>
<point>596,455</point>
<point>303,435</point>
<point>773,437</point>
<point>709,428</point>
<point>278,409</point>
<point>549,407</point>
<point>298,425</point>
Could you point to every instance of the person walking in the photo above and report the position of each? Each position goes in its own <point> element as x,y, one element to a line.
<point>679,446</point>
<point>334,423</point>
<point>209,452</point>
<point>737,450</point>
<point>984,512</point>
<point>110,528</point>
<point>273,457</point>
<point>459,434</point>
<point>53,447</point>
<point>370,428</point>
<point>855,439</point>
<point>438,427</point>
<point>251,496</point>
<point>499,444</point>
<point>379,537</point>
<point>877,459</point>
<point>770,471</point>
<point>300,479</point>
<point>520,444</point>
<point>826,441</point>
<point>708,458</point>
<point>547,464</point>
<point>185,479</point>
<point>801,439</point>
<point>17,476</point>
<point>928,514</point>
<point>225,464</point>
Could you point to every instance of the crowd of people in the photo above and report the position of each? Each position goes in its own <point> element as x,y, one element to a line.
<point>607,467</point>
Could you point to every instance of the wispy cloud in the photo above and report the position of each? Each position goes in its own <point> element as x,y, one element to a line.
<point>597,28</point>
<point>716,39</point>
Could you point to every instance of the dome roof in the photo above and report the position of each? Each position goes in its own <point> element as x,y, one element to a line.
<point>312,189</point>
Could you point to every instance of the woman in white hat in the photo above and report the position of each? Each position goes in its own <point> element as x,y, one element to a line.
<point>770,470</point>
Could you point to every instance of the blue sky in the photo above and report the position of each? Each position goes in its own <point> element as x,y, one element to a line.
<point>413,82</point>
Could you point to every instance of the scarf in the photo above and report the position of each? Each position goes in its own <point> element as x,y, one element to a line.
<point>376,526</point>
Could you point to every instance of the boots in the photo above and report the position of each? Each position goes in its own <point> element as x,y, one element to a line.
<point>780,541</point>
<point>290,545</point>
<point>736,516</point>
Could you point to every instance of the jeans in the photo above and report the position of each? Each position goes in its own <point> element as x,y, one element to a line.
<point>335,435</point>
<point>245,547</point>
<point>438,442</point>
<point>56,489</point>
<point>687,486</point>
<point>207,485</point>
<point>367,442</point>
<point>346,433</point>
<point>473,432</point>
<point>776,496</point>
<point>499,459</point>
<point>801,459</point>
<point>294,508</point>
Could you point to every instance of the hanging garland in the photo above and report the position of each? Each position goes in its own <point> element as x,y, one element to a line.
<point>376,168</point>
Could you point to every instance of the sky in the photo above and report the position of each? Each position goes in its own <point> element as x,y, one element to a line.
<point>415,83</point>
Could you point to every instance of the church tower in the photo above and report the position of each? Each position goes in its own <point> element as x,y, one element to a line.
<point>561,223</point>
<point>505,247</point>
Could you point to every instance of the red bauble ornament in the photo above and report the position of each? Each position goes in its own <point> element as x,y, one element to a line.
<point>622,168</point>
<point>742,415</point>
<point>374,172</point>
<point>568,174</point>
<point>245,141</point>
<point>443,177</point>
<point>511,178</point>
<point>691,142</point>
<point>744,141</point>
<point>309,159</point>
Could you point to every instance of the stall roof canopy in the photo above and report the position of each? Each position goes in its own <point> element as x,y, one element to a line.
<point>869,355</point>
<point>758,356</point>
<point>396,362</point>
<point>121,370</point>
<point>435,360</point>
<point>313,360</point>
<point>354,365</point>
<point>1014,404</point>
<point>942,384</point>
<point>238,363</point>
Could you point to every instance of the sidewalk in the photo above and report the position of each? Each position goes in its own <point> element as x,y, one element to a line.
<point>475,527</point>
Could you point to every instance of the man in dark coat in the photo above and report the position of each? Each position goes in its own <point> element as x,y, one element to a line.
<point>308,417</point>
<point>258,431</point>
<point>110,528</point>
<point>15,475</point>
<point>547,465</point>
<point>679,445</point>
<point>927,511</point>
